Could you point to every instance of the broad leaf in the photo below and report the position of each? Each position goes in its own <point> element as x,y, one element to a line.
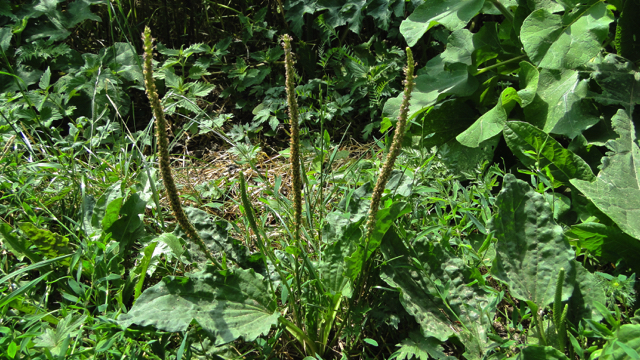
<point>564,164</point>
<point>608,243</point>
<point>432,82</point>
<point>381,11</point>
<point>295,11</point>
<point>627,342</point>
<point>332,268</point>
<point>49,243</point>
<point>440,124</point>
<point>238,305</point>
<point>616,191</point>
<point>537,352</point>
<point>452,14</point>
<point>560,42</point>
<point>490,123</point>
<point>619,81</point>
<point>586,292</point>
<point>215,233</point>
<point>558,106</point>
<point>528,78</point>
<point>419,290</point>
<point>531,249</point>
<point>463,161</point>
<point>384,219</point>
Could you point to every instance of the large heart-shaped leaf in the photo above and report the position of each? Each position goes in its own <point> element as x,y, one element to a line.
<point>559,106</point>
<point>560,42</point>
<point>531,249</point>
<point>616,191</point>
<point>237,305</point>
<point>452,14</point>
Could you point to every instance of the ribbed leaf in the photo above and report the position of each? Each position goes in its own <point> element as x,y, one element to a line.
<point>419,294</point>
<point>531,248</point>
<point>228,307</point>
<point>564,164</point>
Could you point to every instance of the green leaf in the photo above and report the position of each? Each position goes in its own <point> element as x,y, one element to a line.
<point>565,42</point>
<point>490,123</point>
<point>537,352</point>
<point>45,79</point>
<point>616,191</point>
<point>384,219</point>
<point>381,11</point>
<point>522,137</point>
<point>215,233</point>
<point>295,11</point>
<point>528,79</point>
<point>452,14</point>
<point>341,12</point>
<point>238,305</point>
<point>19,247</point>
<point>531,248</point>
<point>558,107</point>
<point>49,243</point>
<point>142,268</point>
<point>463,161</point>
<point>440,124</point>
<point>619,81</point>
<point>606,242</point>
<point>586,292</point>
<point>419,347</point>
<point>129,226</point>
<point>434,81</point>
<point>420,295</point>
<point>628,336</point>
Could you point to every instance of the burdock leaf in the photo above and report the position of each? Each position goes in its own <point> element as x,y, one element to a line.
<point>616,191</point>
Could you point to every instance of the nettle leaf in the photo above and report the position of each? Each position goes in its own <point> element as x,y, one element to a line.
<point>522,137</point>
<point>616,191</point>
<point>452,14</point>
<point>559,106</point>
<point>238,305</point>
<point>492,122</point>
<point>419,290</point>
<point>619,81</point>
<point>531,248</point>
<point>560,42</point>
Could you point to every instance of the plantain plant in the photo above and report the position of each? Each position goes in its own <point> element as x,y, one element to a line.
<point>231,302</point>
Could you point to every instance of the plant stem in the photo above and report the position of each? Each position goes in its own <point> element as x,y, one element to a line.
<point>506,12</point>
<point>494,66</point>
